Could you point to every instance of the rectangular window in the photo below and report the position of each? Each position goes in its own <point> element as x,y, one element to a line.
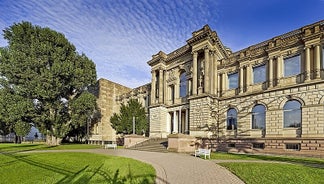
<point>231,145</point>
<point>172,94</point>
<point>258,145</point>
<point>292,66</point>
<point>259,74</point>
<point>292,146</point>
<point>233,80</point>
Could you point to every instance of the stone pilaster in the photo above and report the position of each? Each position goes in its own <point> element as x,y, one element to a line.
<point>153,87</point>
<point>206,74</point>
<point>318,61</point>
<point>160,86</point>
<point>194,72</point>
<point>307,63</point>
<point>279,69</point>
<point>241,79</point>
<point>270,72</point>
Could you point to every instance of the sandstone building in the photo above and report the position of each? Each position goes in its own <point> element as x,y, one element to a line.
<point>268,97</point>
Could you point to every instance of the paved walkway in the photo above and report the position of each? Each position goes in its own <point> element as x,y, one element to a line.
<point>175,168</point>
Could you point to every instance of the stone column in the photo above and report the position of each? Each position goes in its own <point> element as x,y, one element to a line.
<point>177,88</point>
<point>206,75</point>
<point>248,76</point>
<point>187,122</point>
<point>160,86</point>
<point>175,122</point>
<point>318,61</point>
<point>212,73</point>
<point>307,63</point>
<point>270,71</point>
<point>224,87</point>
<point>189,87</point>
<point>194,72</point>
<point>180,121</point>
<point>241,79</point>
<point>153,95</point>
<point>165,88</point>
<point>215,81</point>
<point>279,68</point>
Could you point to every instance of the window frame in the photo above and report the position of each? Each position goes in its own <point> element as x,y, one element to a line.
<point>258,114</point>
<point>287,112</point>
<point>289,60</point>
<point>183,85</point>
<point>234,117</point>
<point>264,78</point>
<point>231,80</point>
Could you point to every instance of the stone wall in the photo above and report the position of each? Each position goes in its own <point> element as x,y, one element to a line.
<point>158,119</point>
<point>308,95</point>
<point>107,93</point>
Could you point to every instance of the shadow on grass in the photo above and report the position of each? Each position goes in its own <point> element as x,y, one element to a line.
<point>86,174</point>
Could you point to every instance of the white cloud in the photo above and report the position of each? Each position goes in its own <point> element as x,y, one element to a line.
<point>116,35</point>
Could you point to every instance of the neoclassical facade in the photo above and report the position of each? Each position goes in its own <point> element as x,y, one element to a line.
<point>269,96</point>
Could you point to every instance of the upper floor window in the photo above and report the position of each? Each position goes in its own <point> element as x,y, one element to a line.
<point>183,85</point>
<point>231,119</point>
<point>157,84</point>
<point>292,66</point>
<point>233,80</point>
<point>259,74</point>
<point>258,117</point>
<point>292,114</point>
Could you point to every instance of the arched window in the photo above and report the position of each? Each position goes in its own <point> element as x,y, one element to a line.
<point>292,114</point>
<point>183,85</point>
<point>231,119</point>
<point>258,117</point>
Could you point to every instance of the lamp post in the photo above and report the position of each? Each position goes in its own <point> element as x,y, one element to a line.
<point>134,125</point>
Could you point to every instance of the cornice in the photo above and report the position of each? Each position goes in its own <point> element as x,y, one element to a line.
<point>282,42</point>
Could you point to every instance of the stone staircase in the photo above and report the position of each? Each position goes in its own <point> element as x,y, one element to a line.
<point>152,145</point>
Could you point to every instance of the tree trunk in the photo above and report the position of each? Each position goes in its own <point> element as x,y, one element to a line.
<point>52,140</point>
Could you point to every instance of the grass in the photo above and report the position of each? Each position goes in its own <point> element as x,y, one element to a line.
<point>274,173</point>
<point>301,160</point>
<point>9,147</point>
<point>72,167</point>
<point>291,170</point>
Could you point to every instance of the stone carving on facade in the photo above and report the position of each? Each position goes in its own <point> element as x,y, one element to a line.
<point>202,74</point>
<point>171,75</point>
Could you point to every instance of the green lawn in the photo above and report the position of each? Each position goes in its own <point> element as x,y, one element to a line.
<point>268,173</point>
<point>5,147</point>
<point>292,170</point>
<point>71,167</point>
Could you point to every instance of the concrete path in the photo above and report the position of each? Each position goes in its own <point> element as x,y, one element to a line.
<point>174,168</point>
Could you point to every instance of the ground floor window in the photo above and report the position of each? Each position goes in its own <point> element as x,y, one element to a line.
<point>292,146</point>
<point>258,117</point>
<point>231,119</point>
<point>292,114</point>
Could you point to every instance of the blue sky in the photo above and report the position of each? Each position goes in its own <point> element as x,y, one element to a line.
<point>120,36</point>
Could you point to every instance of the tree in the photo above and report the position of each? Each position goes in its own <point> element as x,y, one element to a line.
<point>43,66</point>
<point>82,109</point>
<point>15,113</point>
<point>123,122</point>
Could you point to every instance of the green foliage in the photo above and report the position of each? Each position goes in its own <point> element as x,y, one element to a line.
<point>123,122</point>
<point>15,113</point>
<point>69,167</point>
<point>41,65</point>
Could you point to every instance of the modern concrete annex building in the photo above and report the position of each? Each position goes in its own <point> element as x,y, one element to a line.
<point>268,97</point>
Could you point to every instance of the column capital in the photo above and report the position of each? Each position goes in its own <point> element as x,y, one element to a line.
<point>206,48</point>
<point>307,47</point>
<point>194,52</point>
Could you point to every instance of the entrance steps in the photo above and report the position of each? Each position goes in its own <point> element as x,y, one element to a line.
<point>152,145</point>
